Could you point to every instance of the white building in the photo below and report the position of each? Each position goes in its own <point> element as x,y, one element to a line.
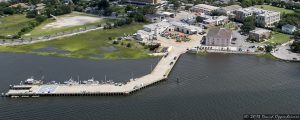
<point>151,31</point>
<point>185,28</point>
<point>290,29</point>
<point>263,18</point>
<point>218,37</point>
<point>214,20</point>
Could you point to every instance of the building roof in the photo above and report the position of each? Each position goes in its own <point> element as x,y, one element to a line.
<point>156,25</point>
<point>210,19</point>
<point>219,33</point>
<point>231,7</point>
<point>260,31</point>
<point>153,15</point>
<point>206,6</point>
<point>258,11</point>
<point>167,13</point>
<point>289,26</point>
<point>23,5</point>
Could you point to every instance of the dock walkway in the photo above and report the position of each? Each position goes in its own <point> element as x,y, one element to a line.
<point>159,73</point>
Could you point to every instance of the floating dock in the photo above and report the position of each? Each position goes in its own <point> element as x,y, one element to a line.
<point>159,73</point>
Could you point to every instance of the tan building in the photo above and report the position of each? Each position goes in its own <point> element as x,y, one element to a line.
<point>218,37</point>
<point>203,8</point>
<point>228,9</point>
<point>144,1</point>
<point>259,34</point>
<point>263,18</point>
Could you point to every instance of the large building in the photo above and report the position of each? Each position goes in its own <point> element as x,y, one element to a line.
<point>151,31</point>
<point>263,18</point>
<point>203,8</point>
<point>143,2</point>
<point>228,9</point>
<point>218,37</point>
<point>259,34</point>
<point>210,21</point>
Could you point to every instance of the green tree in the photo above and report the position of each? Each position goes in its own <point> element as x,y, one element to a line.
<point>103,4</point>
<point>199,19</point>
<point>31,14</point>
<point>149,9</point>
<point>297,35</point>
<point>248,24</point>
<point>295,47</point>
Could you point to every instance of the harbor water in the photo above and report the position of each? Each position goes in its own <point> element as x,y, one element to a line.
<point>212,87</point>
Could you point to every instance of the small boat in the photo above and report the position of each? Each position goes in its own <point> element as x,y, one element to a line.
<point>90,81</point>
<point>71,82</point>
<point>31,81</point>
<point>35,96</point>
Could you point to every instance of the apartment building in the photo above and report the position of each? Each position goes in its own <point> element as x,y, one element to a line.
<point>263,18</point>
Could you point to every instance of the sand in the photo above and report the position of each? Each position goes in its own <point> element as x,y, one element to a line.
<point>71,21</point>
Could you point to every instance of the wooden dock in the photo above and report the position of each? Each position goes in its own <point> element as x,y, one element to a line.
<point>159,73</point>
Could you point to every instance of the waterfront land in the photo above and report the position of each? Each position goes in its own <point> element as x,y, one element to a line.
<point>278,38</point>
<point>91,45</point>
<point>11,25</point>
<point>51,26</point>
<point>278,9</point>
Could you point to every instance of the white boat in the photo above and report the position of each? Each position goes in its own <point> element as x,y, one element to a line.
<point>90,81</point>
<point>71,82</point>
<point>31,81</point>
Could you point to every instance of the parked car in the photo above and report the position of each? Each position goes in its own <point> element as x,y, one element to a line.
<point>166,55</point>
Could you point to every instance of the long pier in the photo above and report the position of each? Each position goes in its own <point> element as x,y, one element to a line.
<point>159,73</point>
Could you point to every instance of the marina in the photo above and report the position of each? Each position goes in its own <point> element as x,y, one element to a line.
<point>91,87</point>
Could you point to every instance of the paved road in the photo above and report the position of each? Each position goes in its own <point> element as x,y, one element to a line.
<point>283,52</point>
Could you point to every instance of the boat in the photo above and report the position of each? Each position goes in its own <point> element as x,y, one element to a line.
<point>31,81</point>
<point>90,81</point>
<point>71,82</point>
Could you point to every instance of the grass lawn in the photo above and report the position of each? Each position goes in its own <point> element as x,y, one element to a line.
<point>90,45</point>
<point>267,55</point>
<point>40,31</point>
<point>230,26</point>
<point>278,38</point>
<point>278,9</point>
<point>11,25</point>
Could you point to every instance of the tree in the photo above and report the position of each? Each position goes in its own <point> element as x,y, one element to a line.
<point>297,35</point>
<point>128,45</point>
<point>103,4</point>
<point>129,8</point>
<point>40,18</point>
<point>149,9</point>
<point>31,14</point>
<point>166,8</point>
<point>199,19</point>
<point>176,4</point>
<point>268,48</point>
<point>295,47</point>
<point>249,24</point>
<point>246,3</point>
<point>8,10</point>
<point>260,2</point>
<point>139,17</point>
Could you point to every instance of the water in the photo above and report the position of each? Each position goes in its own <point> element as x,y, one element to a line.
<point>213,87</point>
